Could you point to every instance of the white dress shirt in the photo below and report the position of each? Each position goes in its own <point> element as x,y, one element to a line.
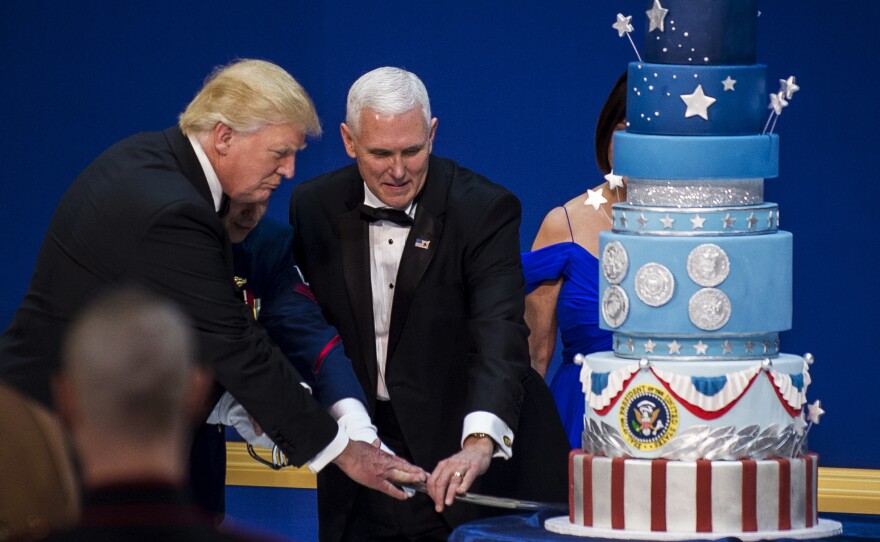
<point>387,240</point>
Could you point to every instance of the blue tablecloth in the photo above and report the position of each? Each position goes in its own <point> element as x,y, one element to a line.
<point>517,528</point>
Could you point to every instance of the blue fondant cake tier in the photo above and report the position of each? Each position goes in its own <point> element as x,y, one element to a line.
<point>726,100</point>
<point>690,157</point>
<point>702,32</point>
<point>690,286</point>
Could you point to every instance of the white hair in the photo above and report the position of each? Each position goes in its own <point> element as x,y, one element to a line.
<point>387,91</point>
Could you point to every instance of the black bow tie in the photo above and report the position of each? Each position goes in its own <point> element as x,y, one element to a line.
<point>385,213</point>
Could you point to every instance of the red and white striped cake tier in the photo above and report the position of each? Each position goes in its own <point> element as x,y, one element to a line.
<point>703,496</point>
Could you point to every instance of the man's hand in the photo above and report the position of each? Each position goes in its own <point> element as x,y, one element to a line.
<point>454,475</point>
<point>368,465</point>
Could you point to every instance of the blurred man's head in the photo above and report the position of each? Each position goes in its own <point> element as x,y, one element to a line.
<point>130,384</point>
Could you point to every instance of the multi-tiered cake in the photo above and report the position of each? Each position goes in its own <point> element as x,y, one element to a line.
<point>695,422</point>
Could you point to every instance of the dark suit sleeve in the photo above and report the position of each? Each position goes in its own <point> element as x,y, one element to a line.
<point>495,286</point>
<point>292,317</point>
<point>179,257</point>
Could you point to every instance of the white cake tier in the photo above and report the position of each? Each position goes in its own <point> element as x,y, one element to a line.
<point>694,410</point>
<point>640,495</point>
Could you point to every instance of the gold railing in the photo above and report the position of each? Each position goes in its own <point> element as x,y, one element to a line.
<point>851,491</point>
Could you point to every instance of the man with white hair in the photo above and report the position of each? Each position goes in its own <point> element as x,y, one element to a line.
<point>416,262</point>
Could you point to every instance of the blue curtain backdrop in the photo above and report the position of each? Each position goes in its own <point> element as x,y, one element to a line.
<point>516,87</point>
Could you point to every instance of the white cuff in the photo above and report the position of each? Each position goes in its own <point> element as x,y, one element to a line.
<point>331,452</point>
<point>351,415</point>
<point>492,425</point>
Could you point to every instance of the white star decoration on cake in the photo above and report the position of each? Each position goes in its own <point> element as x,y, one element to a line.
<point>614,181</point>
<point>788,87</point>
<point>649,346</point>
<point>815,411</point>
<point>728,83</point>
<point>777,102</point>
<point>698,222</point>
<point>623,25</point>
<point>697,103</point>
<point>656,15</point>
<point>674,347</point>
<point>701,348</point>
<point>667,221</point>
<point>595,198</point>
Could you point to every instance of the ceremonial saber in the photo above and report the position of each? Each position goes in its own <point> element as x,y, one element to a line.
<point>495,502</point>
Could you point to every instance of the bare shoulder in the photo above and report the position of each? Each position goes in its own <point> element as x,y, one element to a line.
<point>587,223</point>
<point>554,229</point>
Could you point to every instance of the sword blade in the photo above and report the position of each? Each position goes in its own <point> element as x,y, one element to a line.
<point>495,502</point>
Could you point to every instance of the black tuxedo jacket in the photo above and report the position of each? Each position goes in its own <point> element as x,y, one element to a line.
<point>142,213</point>
<point>457,338</point>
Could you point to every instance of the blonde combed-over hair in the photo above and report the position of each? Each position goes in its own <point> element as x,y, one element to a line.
<point>247,95</point>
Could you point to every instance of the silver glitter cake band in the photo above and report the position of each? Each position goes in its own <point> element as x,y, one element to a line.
<point>700,348</point>
<point>695,193</point>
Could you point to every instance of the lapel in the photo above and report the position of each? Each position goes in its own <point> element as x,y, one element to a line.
<point>192,170</point>
<point>421,246</point>
<point>189,162</point>
<point>354,233</point>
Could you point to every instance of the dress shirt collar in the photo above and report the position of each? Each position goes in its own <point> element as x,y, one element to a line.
<point>210,174</point>
<point>371,200</point>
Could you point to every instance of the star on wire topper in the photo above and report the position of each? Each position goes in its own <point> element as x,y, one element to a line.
<point>788,87</point>
<point>595,198</point>
<point>614,181</point>
<point>623,25</point>
<point>815,411</point>
<point>656,15</point>
<point>777,102</point>
<point>697,103</point>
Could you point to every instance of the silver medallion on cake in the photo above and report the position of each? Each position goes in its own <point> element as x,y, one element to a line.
<point>708,265</point>
<point>615,262</point>
<point>654,284</point>
<point>709,309</point>
<point>615,306</point>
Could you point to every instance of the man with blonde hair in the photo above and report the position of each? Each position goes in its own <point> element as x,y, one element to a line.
<point>148,211</point>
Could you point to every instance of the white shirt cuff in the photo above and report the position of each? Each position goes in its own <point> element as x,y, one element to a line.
<point>492,425</point>
<point>351,415</point>
<point>331,452</point>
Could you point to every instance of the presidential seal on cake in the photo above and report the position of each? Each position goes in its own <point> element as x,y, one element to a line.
<point>696,422</point>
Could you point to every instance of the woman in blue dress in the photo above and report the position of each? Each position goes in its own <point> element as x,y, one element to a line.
<point>562,275</point>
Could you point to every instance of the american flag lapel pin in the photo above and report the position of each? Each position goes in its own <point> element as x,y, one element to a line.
<point>422,243</point>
